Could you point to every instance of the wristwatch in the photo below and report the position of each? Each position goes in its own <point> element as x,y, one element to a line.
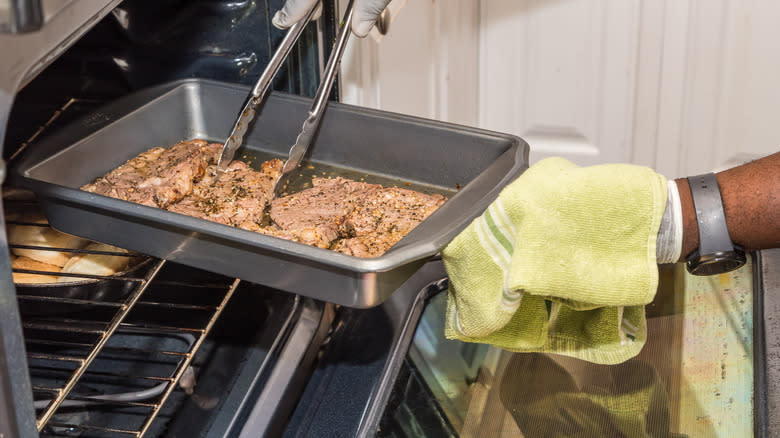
<point>716,253</point>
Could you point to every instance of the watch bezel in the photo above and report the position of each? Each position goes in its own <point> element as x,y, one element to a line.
<point>715,263</point>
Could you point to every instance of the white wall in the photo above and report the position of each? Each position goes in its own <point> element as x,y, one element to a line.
<point>683,86</point>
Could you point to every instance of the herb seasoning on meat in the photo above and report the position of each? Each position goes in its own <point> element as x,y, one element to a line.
<point>355,218</point>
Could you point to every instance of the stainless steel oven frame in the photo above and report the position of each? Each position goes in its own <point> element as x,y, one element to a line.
<point>58,24</point>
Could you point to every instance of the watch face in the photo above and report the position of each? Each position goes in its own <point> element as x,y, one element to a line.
<point>718,263</point>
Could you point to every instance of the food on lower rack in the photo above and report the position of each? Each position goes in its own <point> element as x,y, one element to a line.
<point>158,177</point>
<point>88,264</point>
<point>33,265</point>
<point>237,198</point>
<point>355,218</point>
<point>32,229</point>
<point>95,264</point>
<point>43,236</point>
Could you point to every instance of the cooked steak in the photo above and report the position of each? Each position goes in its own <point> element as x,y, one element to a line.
<point>237,198</point>
<point>315,215</point>
<point>122,182</point>
<point>269,230</point>
<point>355,218</point>
<point>362,246</point>
<point>158,177</point>
<point>390,210</point>
<point>382,218</point>
<point>369,218</point>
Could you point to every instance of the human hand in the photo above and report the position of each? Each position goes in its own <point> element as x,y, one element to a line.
<point>366,14</point>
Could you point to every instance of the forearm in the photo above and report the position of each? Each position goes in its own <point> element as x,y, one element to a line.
<point>751,201</point>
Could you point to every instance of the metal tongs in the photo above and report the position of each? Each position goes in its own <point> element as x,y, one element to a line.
<point>312,122</point>
<point>316,111</point>
<point>257,96</point>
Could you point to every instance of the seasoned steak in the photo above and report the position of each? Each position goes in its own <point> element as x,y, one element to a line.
<point>314,216</point>
<point>355,218</point>
<point>158,177</point>
<point>368,218</point>
<point>269,230</point>
<point>369,245</point>
<point>237,198</point>
<point>390,210</point>
<point>122,182</point>
<point>381,218</point>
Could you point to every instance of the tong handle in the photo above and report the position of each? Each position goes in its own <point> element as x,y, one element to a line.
<point>334,60</point>
<point>281,53</point>
<point>312,122</point>
<point>256,97</point>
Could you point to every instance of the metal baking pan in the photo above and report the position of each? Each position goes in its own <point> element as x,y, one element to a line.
<point>427,154</point>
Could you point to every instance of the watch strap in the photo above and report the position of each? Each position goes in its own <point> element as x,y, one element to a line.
<point>710,216</point>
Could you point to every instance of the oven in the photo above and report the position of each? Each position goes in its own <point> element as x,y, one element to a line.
<point>170,350</point>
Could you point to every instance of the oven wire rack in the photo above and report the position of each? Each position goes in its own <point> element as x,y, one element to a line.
<point>69,347</point>
<point>88,340</point>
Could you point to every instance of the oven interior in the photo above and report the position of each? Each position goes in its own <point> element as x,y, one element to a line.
<point>169,350</point>
<point>163,350</point>
<point>191,355</point>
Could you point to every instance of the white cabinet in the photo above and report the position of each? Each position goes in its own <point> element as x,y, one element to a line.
<point>683,86</point>
<point>560,74</point>
<point>425,66</point>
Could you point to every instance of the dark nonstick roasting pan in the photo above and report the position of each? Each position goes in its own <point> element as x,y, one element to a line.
<point>468,165</point>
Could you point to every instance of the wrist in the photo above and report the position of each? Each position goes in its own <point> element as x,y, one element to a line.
<point>713,251</point>
<point>669,242</point>
<point>690,233</point>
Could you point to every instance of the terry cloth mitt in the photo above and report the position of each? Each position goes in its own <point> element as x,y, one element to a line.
<point>563,261</point>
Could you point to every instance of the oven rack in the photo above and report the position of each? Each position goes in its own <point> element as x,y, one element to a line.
<point>88,339</point>
<point>66,352</point>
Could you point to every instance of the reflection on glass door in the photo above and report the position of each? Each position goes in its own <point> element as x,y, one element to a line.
<point>694,377</point>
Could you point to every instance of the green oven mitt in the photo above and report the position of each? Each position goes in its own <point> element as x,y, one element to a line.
<point>563,261</point>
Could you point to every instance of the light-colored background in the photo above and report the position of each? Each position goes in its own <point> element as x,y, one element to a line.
<point>683,86</point>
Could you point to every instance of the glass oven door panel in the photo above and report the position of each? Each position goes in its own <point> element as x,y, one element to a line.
<point>447,367</point>
<point>694,377</point>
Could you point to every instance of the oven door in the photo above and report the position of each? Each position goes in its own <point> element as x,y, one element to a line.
<point>695,377</point>
<point>700,374</point>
